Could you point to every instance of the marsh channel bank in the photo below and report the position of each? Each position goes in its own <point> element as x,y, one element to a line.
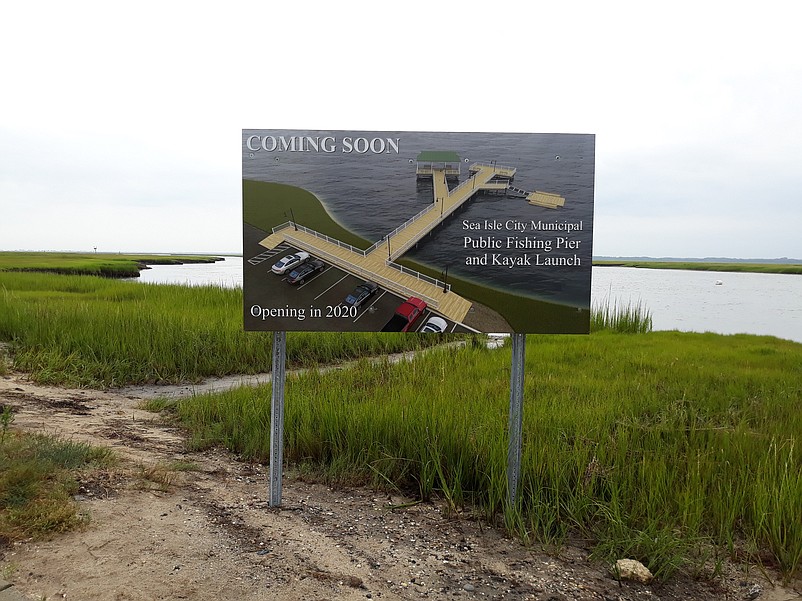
<point>693,301</point>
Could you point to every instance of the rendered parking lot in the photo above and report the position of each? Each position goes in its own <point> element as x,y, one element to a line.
<point>319,299</point>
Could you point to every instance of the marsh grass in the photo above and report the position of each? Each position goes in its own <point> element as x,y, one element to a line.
<point>37,482</point>
<point>652,445</point>
<point>160,476</point>
<point>5,363</point>
<point>623,319</point>
<point>90,331</point>
<point>99,264</point>
<point>790,268</point>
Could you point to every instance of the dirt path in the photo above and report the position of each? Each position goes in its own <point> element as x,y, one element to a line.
<point>158,531</point>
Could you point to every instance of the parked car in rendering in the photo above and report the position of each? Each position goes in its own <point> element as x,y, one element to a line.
<point>300,274</point>
<point>435,325</point>
<point>406,315</point>
<point>290,262</point>
<point>361,293</point>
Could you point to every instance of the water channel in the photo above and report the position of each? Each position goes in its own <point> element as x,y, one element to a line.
<point>691,301</point>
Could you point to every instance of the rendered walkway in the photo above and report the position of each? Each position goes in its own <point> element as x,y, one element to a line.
<point>374,264</point>
<point>445,202</point>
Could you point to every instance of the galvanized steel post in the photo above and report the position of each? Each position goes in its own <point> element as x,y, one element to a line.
<point>516,417</point>
<point>277,416</point>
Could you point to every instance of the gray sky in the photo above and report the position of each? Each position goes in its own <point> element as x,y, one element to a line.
<point>120,123</point>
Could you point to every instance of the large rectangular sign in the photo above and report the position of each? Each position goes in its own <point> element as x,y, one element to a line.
<point>417,231</point>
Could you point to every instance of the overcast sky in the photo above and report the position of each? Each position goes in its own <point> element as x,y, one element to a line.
<point>120,123</point>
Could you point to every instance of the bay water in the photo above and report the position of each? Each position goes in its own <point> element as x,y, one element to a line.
<point>685,300</point>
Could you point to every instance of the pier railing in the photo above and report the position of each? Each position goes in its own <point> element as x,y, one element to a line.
<point>495,167</point>
<point>328,239</point>
<point>404,225</point>
<point>519,191</point>
<point>430,170</point>
<point>387,283</point>
<point>366,273</point>
<point>420,276</point>
<point>462,185</point>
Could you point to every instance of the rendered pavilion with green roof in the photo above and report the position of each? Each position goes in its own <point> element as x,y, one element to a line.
<point>429,160</point>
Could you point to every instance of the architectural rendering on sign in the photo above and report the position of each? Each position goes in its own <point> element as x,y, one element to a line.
<point>417,231</point>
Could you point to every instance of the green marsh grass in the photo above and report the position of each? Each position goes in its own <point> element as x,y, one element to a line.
<point>790,268</point>
<point>101,264</point>
<point>629,319</point>
<point>91,331</point>
<point>649,445</point>
<point>37,481</point>
<point>5,362</point>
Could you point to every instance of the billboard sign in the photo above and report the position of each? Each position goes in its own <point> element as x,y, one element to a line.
<point>417,231</point>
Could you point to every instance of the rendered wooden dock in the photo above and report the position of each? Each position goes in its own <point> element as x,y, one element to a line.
<point>374,267</point>
<point>377,262</point>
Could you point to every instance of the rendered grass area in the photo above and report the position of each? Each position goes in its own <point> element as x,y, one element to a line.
<point>101,264</point>
<point>737,267</point>
<point>656,446</point>
<point>267,204</point>
<point>91,331</point>
<point>37,481</point>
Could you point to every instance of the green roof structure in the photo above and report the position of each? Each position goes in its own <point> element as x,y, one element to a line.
<point>438,156</point>
<point>445,160</point>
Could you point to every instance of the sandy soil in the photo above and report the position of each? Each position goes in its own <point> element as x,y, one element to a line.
<point>157,532</point>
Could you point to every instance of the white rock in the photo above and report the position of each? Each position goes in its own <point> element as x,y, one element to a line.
<point>630,569</point>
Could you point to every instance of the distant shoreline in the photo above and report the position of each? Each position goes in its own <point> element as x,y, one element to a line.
<point>99,264</point>
<point>122,265</point>
<point>791,268</point>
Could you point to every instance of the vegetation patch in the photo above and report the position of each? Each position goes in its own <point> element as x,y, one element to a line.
<point>624,319</point>
<point>37,481</point>
<point>91,331</point>
<point>705,266</point>
<point>5,360</point>
<point>654,446</point>
<point>269,204</point>
<point>100,264</point>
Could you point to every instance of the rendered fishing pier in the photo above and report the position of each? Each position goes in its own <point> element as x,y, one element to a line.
<point>377,263</point>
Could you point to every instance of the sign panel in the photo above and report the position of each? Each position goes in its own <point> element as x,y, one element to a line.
<point>417,231</point>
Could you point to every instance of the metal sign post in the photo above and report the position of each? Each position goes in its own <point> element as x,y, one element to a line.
<point>277,416</point>
<point>516,416</point>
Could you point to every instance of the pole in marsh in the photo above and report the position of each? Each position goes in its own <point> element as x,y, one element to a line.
<point>516,417</point>
<point>277,416</point>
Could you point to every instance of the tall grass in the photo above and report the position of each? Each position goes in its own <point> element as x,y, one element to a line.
<point>624,319</point>
<point>90,331</point>
<point>5,362</point>
<point>648,445</point>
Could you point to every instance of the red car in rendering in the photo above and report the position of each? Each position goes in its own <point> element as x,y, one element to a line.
<point>406,315</point>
